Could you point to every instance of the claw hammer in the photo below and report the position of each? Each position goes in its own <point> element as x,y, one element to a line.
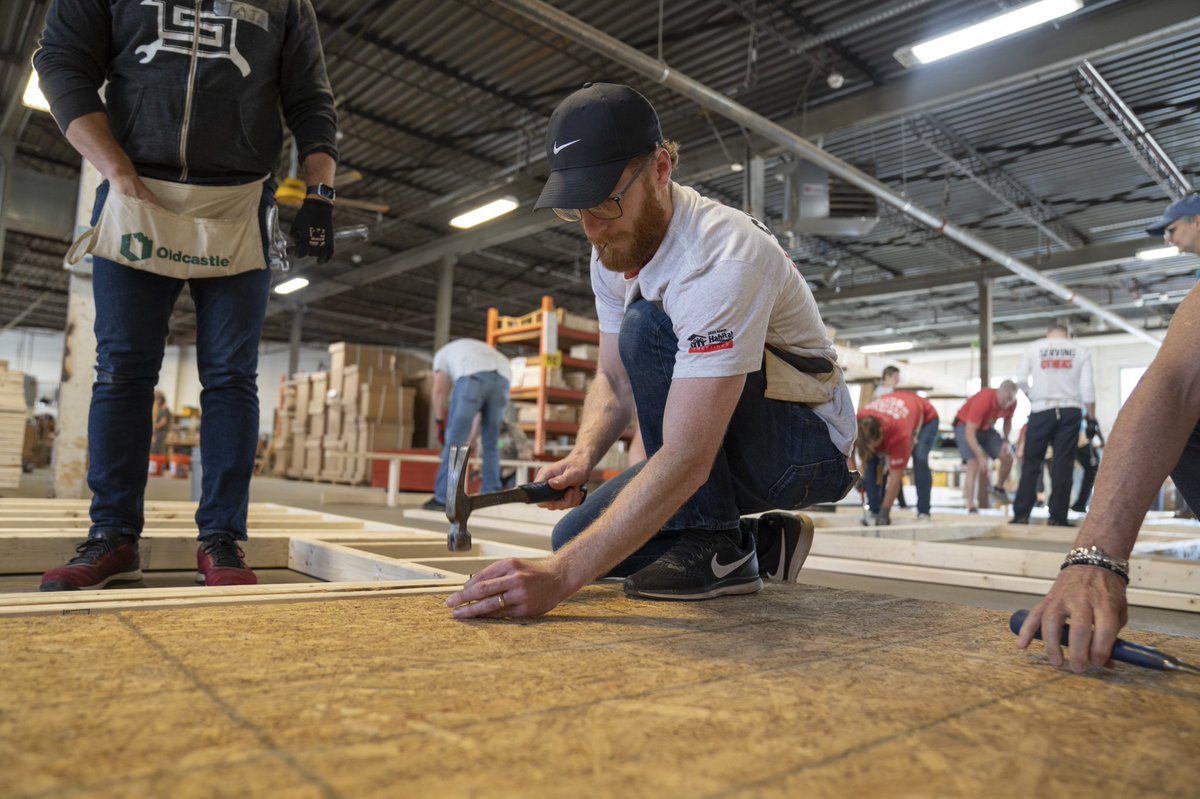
<point>460,504</point>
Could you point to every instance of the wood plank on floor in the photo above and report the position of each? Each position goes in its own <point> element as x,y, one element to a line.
<point>796,691</point>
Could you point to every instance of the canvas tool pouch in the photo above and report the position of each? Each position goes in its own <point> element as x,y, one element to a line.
<point>199,231</point>
<point>789,383</point>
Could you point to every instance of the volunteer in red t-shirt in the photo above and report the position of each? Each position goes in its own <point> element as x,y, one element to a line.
<point>978,440</point>
<point>888,426</point>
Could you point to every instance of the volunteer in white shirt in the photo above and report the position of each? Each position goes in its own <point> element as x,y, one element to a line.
<point>888,383</point>
<point>710,330</point>
<point>470,378</point>
<point>1056,374</point>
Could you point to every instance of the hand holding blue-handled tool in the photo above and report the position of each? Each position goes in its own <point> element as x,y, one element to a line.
<point>1122,650</point>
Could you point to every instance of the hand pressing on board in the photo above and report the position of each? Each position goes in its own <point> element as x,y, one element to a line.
<point>511,588</point>
<point>1082,596</point>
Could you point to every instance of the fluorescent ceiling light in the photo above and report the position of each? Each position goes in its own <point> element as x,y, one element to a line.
<point>894,346</point>
<point>998,27</point>
<point>288,286</point>
<point>33,97</point>
<point>484,213</point>
<point>1155,253</point>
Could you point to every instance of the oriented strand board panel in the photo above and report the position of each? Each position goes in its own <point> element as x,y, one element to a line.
<point>795,691</point>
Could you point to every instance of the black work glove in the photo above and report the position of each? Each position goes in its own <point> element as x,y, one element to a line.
<point>1093,429</point>
<point>313,229</point>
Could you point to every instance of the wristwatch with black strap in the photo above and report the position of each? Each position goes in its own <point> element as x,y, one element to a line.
<point>323,191</point>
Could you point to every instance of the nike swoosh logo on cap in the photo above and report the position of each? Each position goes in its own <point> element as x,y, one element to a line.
<point>559,148</point>
<point>722,570</point>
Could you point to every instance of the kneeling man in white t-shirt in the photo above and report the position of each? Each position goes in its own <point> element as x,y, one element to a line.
<point>707,329</point>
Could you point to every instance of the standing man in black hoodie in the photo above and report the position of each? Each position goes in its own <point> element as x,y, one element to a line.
<point>194,93</point>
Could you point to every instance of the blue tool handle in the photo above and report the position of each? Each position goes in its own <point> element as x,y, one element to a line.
<point>543,492</point>
<point>1123,651</point>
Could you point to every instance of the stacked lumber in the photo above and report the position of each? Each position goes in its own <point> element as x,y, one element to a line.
<point>14,417</point>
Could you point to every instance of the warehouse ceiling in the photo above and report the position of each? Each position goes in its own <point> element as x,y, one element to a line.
<point>443,104</point>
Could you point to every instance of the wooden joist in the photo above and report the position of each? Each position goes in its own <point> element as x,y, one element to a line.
<point>372,558</point>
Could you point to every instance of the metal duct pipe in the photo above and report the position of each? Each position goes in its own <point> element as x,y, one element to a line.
<point>616,50</point>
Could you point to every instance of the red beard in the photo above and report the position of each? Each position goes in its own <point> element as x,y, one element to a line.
<point>629,252</point>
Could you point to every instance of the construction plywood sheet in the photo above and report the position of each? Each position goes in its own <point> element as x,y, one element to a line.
<point>796,691</point>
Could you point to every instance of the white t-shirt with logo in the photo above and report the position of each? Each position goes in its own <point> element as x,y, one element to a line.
<point>729,289</point>
<point>468,356</point>
<point>1061,372</point>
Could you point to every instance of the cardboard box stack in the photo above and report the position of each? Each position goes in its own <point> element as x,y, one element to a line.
<point>369,400</point>
<point>285,420</point>
<point>14,414</point>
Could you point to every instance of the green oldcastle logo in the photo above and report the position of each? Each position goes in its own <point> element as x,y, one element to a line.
<point>136,246</point>
<point>139,247</point>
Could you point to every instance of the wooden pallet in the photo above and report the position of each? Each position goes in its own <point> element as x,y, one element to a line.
<point>346,557</point>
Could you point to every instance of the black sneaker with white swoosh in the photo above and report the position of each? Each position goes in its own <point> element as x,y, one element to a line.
<point>702,564</point>
<point>782,541</point>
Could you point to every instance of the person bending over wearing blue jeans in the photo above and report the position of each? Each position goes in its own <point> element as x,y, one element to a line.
<point>888,428</point>
<point>709,330</point>
<point>470,379</point>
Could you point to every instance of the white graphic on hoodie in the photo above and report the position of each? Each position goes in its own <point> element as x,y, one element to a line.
<point>217,35</point>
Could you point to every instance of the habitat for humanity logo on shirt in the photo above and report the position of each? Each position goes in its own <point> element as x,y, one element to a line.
<point>711,341</point>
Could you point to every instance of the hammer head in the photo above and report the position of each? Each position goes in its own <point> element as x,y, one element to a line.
<point>458,508</point>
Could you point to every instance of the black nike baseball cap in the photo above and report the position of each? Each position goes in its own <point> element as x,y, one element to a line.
<point>593,134</point>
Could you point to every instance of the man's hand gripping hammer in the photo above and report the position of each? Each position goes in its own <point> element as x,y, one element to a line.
<point>459,504</point>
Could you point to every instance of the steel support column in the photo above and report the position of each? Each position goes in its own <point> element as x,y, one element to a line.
<point>445,297</point>
<point>985,332</point>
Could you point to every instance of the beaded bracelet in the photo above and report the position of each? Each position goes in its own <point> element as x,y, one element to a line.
<point>1094,556</point>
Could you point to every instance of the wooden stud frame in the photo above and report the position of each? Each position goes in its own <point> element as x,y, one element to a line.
<point>955,550</point>
<point>353,558</point>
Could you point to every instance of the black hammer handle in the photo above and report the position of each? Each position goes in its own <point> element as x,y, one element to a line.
<point>529,493</point>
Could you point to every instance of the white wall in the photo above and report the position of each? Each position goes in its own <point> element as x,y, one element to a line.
<point>35,352</point>
<point>1110,354</point>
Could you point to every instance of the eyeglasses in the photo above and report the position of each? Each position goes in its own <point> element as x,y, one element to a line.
<point>609,209</point>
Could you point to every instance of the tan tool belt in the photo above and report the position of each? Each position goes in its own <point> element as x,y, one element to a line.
<point>199,231</point>
<point>786,382</point>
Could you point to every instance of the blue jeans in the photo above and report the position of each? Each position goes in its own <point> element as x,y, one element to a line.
<point>486,394</point>
<point>922,476</point>
<point>133,309</point>
<point>775,454</point>
<point>1186,474</point>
